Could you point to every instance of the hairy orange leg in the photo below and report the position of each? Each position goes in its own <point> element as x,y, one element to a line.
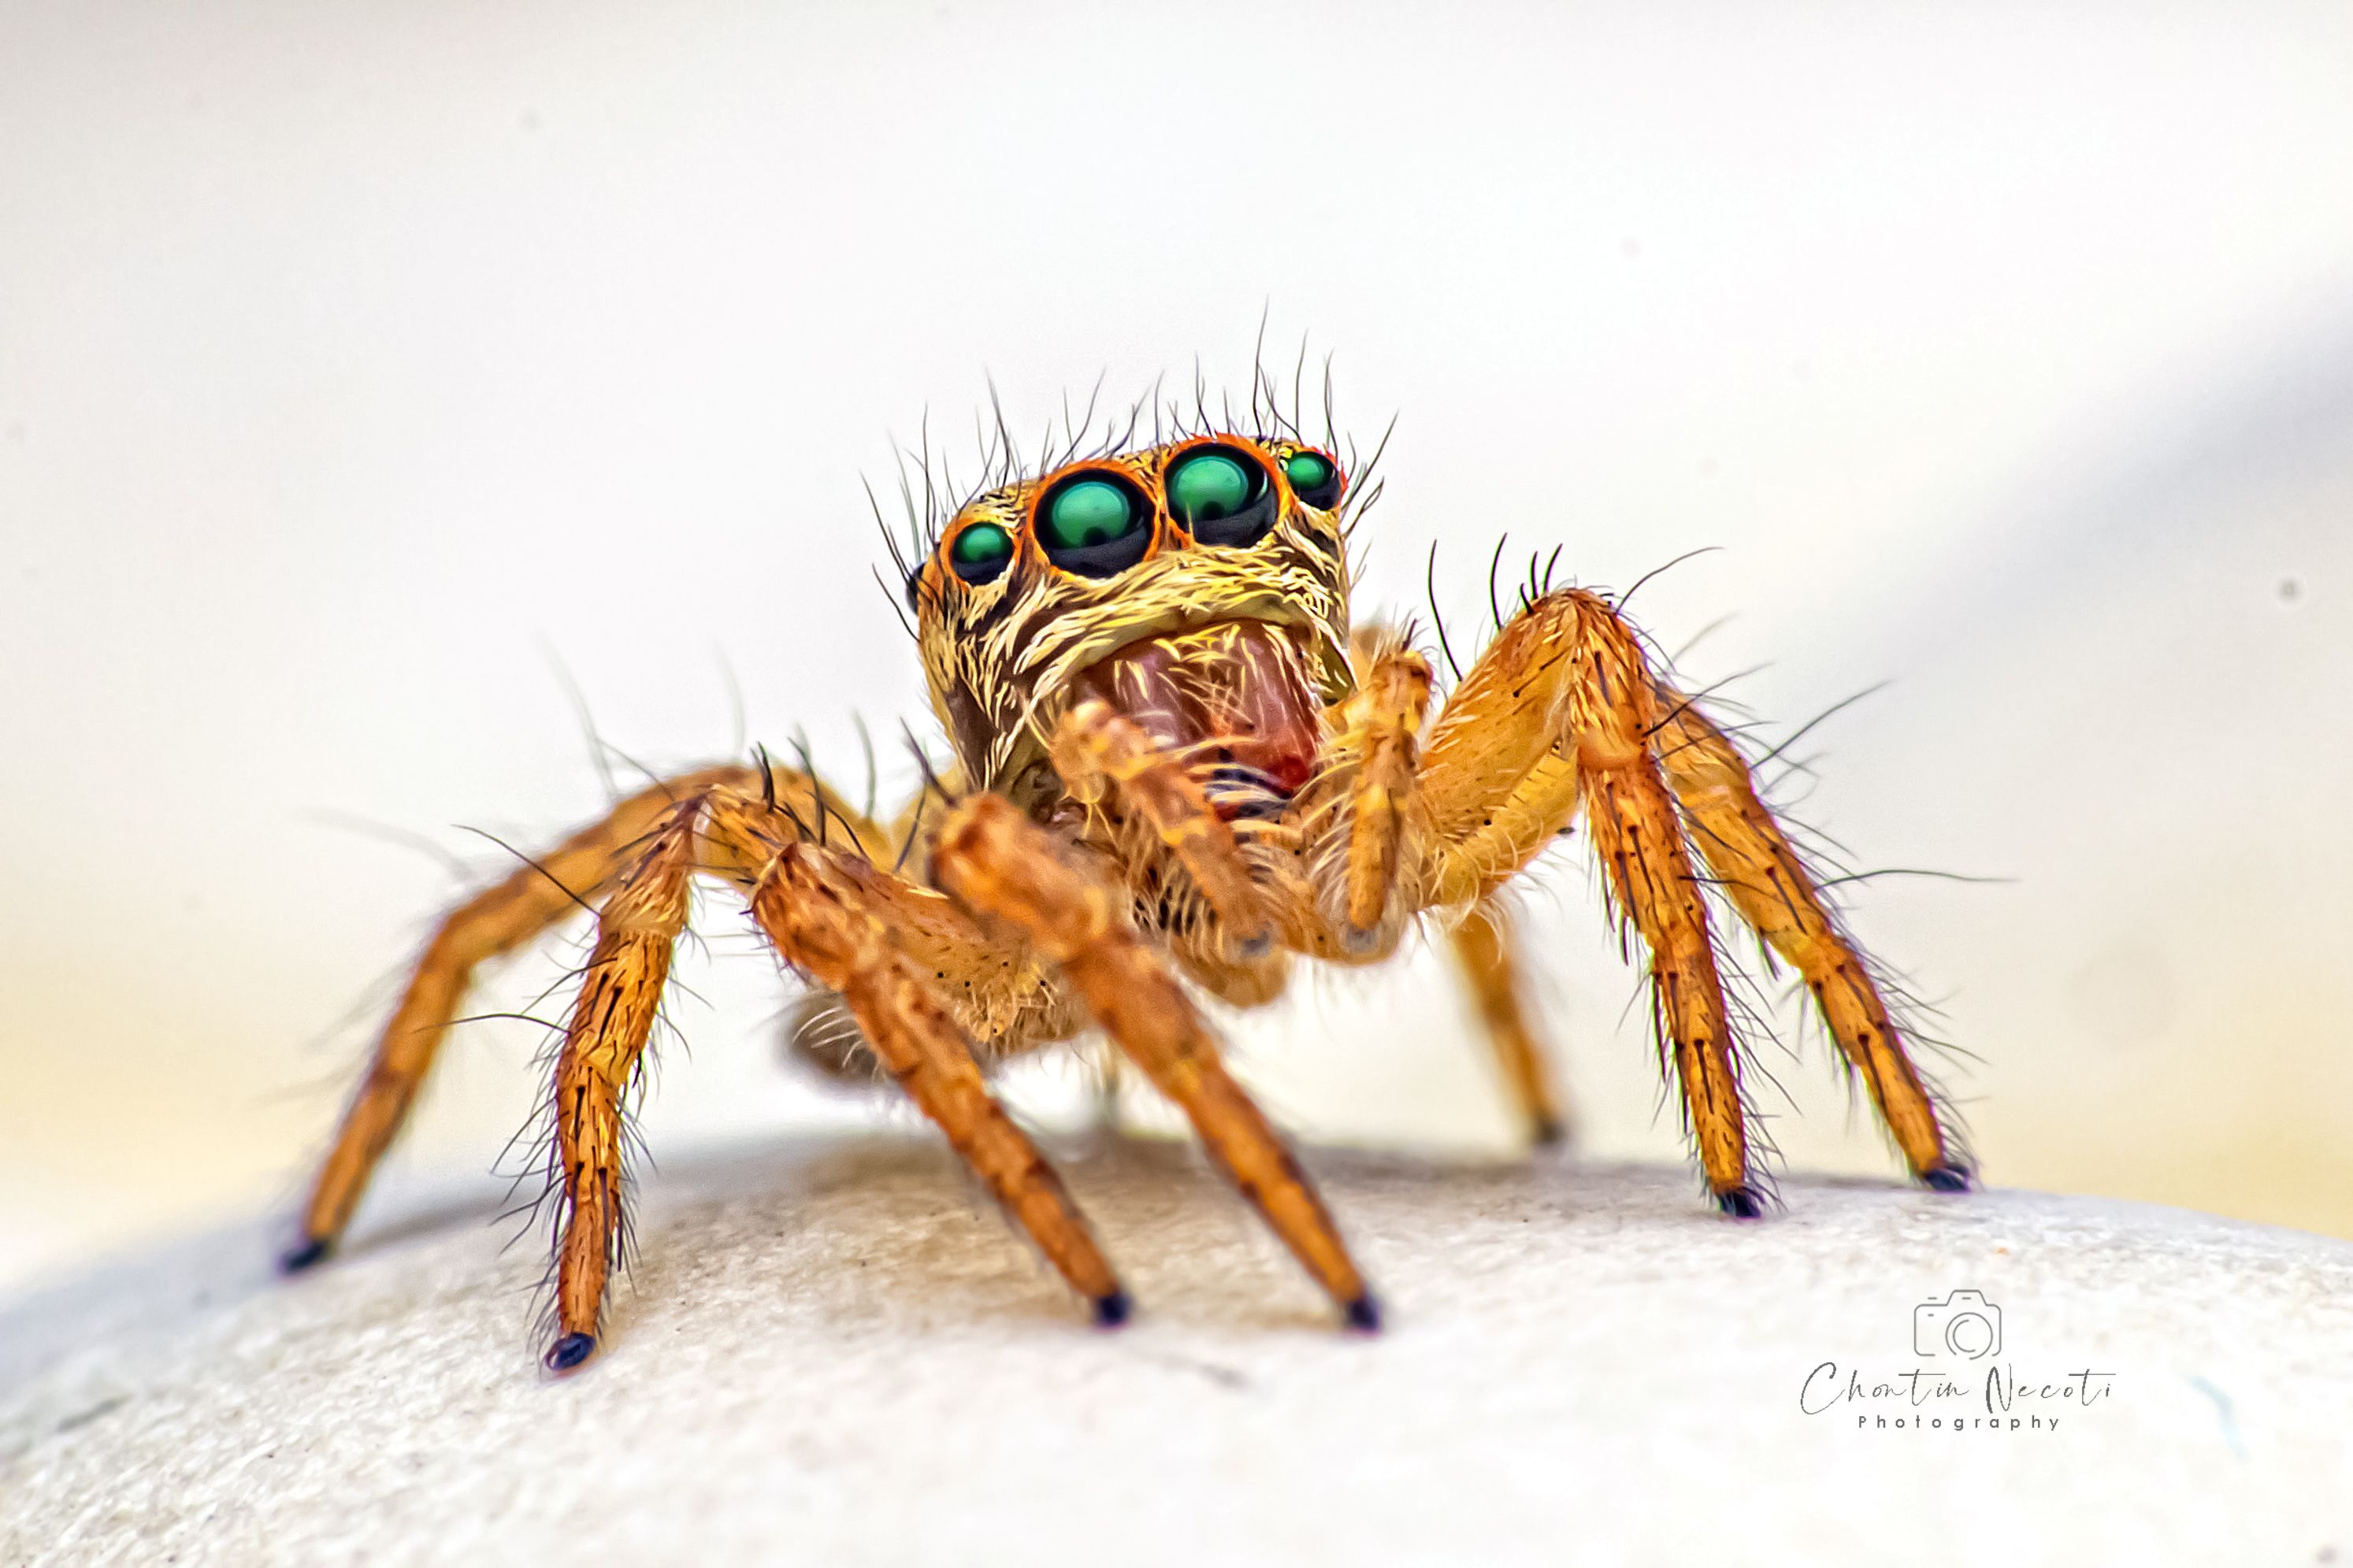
<point>1098,753</point>
<point>1561,711</point>
<point>994,859</point>
<point>612,1017</point>
<point>496,920</point>
<point>1484,945</point>
<point>1767,883</point>
<point>819,910</point>
<point>821,923</point>
<point>999,993</point>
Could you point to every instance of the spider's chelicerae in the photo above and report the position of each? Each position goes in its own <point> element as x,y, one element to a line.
<point>1177,767</point>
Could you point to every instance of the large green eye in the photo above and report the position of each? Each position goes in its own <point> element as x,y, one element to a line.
<point>1313,479</point>
<point>1095,525</point>
<point>980,552</point>
<point>1093,511</point>
<point>1209,487</point>
<point>1222,497</point>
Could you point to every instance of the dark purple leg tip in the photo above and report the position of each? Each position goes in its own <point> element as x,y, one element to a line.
<point>570,1351</point>
<point>1741,1203</point>
<point>1947,1179</point>
<point>1548,1133</point>
<point>1113,1310</point>
<point>302,1255</point>
<point>1364,1315</point>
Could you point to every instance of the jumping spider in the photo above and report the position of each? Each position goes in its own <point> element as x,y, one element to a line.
<point>1175,763</point>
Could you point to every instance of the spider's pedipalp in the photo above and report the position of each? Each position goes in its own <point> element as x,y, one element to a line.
<point>1379,743</point>
<point>1098,753</point>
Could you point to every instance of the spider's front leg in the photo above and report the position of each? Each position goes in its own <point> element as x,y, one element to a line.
<point>842,921</point>
<point>996,860</point>
<point>1563,709</point>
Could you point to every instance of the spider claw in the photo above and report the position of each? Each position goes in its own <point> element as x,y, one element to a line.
<point>570,1351</point>
<point>309,1250</point>
<point>1364,1315</point>
<point>1742,1202</point>
<point>1113,1310</point>
<point>1947,1179</point>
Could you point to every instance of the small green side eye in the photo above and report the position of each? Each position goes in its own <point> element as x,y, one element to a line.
<point>1207,488</point>
<point>980,552</point>
<point>1313,479</point>
<point>1093,511</point>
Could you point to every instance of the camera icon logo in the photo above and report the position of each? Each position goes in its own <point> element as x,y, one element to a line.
<point>1964,1325</point>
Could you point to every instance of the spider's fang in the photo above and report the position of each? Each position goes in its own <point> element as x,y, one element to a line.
<point>310,1249</point>
<point>1947,1179</point>
<point>1113,1310</point>
<point>570,1351</point>
<point>1741,1203</point>
<point>1364,1315</point>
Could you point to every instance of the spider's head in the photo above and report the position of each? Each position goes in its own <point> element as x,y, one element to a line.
<point>1217,561</point>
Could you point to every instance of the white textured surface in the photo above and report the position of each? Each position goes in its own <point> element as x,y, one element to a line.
<point>833,1355</point>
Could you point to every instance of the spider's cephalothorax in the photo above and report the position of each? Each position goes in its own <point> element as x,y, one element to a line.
<point>1214,550</point>
<point>1176,761</point>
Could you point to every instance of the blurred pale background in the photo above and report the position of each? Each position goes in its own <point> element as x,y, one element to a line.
<point>359,364</point>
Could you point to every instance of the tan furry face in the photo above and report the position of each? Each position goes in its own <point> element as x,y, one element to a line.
<point>1033,583</point>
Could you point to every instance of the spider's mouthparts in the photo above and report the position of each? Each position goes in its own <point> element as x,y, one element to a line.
<point>1239,792</point>
<point>1236,696</point>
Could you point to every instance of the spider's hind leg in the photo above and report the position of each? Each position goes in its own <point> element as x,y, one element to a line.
<point>496,920</point>
<point>1486,951</point>
<point>1769,882</point>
